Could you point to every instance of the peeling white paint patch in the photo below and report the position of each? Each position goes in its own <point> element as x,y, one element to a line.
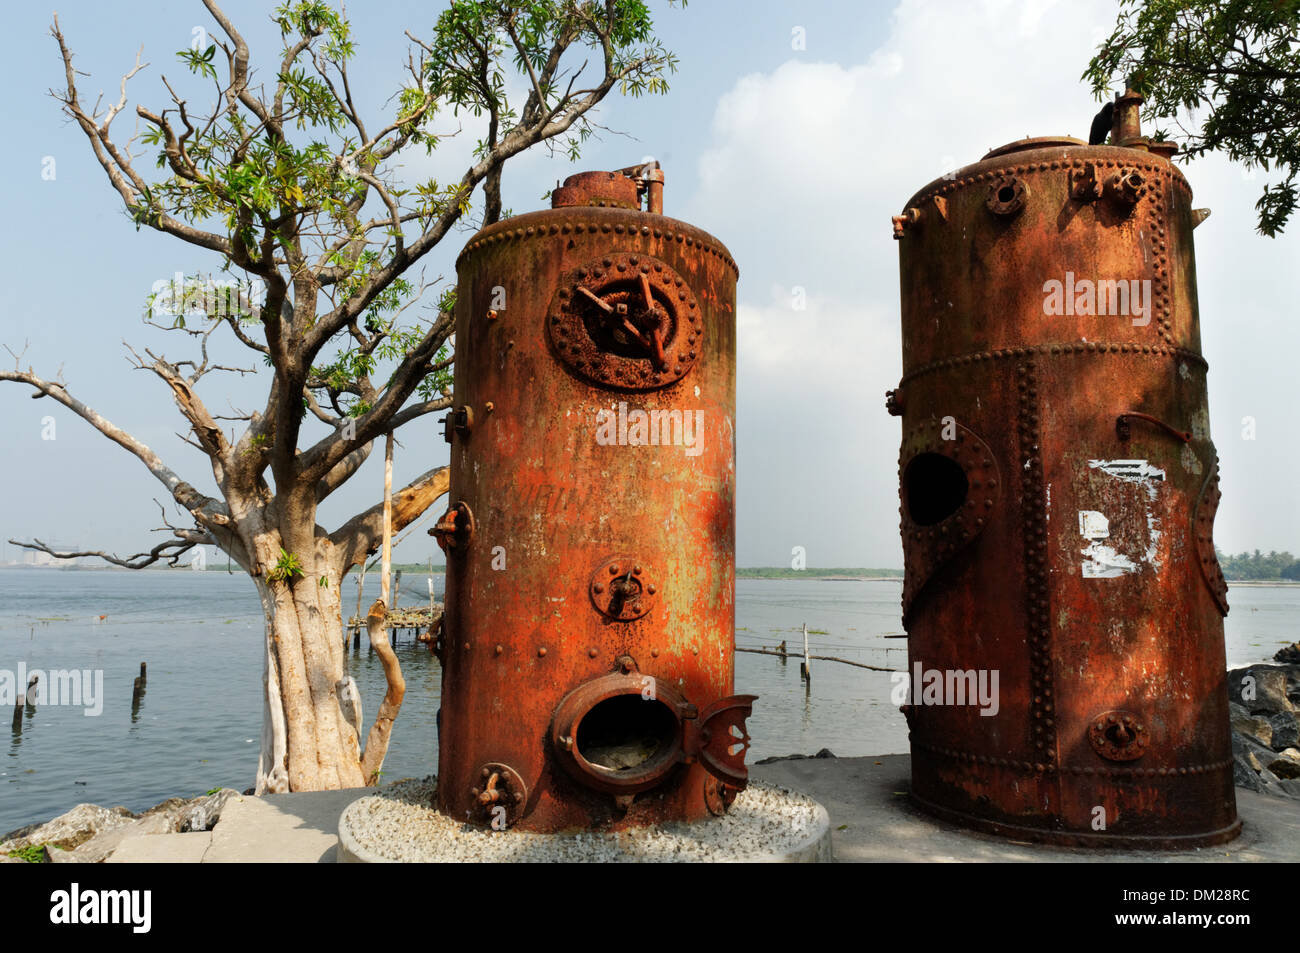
<point>1093,525</point>
<point>1184,371</point>
<point>1134,471</point>
<point>1101,561</point>
<point>1190,461</point>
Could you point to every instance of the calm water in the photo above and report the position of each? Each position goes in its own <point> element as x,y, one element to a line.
<point>201,634</point>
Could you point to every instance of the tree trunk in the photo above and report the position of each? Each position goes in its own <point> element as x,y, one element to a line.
<point>308,743</point>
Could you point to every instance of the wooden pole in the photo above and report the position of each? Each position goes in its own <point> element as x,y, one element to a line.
<point>806,669</point>
<point>386,559</point>
<point>386,562</point>
<point>361,585</point>
<point>820,658</point>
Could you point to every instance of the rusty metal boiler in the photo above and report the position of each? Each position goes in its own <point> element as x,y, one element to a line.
<point>589,636</point>
<point>1058,488</point>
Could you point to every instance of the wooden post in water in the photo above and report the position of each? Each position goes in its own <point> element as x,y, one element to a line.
<point>805,667</point>
<point>361,584</point>
<point>386,561</point>
<point>137,690</point>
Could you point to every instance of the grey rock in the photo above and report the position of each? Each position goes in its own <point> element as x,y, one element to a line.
<point>70,830</point>
<point>173,805</point>
<point>1288,653</point>
<point>1245,776</point>
<point>98,848</point>
<point>824,753</point>
<point>202,814</point>
<point>1285,769</point>
<point>1258,730</point>
<point>1286,730</point>
<point>1260,688</point>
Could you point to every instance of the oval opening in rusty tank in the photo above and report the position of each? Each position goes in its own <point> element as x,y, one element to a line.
<point>620,733</point>
<point>934,488</point>
<point>626,735</point>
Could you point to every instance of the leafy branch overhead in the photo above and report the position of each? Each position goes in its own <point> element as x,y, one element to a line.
<point>1229,69</point>
<point>302,198</point>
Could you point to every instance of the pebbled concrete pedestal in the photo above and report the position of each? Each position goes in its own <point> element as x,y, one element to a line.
<point>766,824</point>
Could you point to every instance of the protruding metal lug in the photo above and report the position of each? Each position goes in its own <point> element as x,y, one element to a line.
<point>455,529</point>
<point>902,222</point>
<point>459,421</point>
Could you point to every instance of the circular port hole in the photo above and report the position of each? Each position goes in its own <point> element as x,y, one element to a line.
<point>626,733</point>
<point>1006,194</point>
<point>935,487</point>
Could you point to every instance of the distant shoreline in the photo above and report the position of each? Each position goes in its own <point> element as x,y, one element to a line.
<point>753,572</point>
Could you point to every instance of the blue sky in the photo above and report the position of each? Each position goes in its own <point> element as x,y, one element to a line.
<point>795,158</point>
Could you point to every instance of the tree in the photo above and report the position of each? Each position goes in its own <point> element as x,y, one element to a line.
<point>1236,63</point>
<point>297,196</point>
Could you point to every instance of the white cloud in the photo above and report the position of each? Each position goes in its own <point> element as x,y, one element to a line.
<point>806,166</point>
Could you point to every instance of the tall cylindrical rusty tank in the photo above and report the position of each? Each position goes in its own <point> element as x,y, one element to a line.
<point>589,635</point>
<point>1058,484</point>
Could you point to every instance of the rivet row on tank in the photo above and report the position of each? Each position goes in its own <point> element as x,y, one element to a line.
<point>579,228</point>
<point>1166,171</point>
<point>1035,554</point>
<point>1081,348</point>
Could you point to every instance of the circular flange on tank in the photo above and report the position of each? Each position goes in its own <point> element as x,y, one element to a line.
<point>625,320</point>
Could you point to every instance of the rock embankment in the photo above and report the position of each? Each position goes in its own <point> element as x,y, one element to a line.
<point>88,833</point>
<point>1264,707</point>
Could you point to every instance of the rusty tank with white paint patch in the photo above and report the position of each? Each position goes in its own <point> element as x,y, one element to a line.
<point>1058,487</point>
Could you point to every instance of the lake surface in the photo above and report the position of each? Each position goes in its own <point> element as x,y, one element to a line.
<point>199,724</point>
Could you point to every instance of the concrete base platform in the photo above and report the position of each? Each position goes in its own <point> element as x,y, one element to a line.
<point>163,849</point>
<point>281,828</point>
<point>871,820</point>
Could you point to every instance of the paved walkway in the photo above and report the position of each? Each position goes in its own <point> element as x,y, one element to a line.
<point>871,820</point>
